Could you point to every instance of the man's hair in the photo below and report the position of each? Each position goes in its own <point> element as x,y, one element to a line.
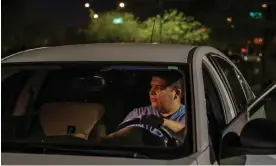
<point>173,79</point>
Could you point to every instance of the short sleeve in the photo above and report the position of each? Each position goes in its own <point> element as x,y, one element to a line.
<point>183,119</point>
<point>138,112</point>
<point>132,115</point>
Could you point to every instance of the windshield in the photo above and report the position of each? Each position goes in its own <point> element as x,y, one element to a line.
<point>93,106</point>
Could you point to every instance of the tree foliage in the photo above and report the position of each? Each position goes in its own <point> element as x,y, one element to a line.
<point>173,27</point>
<point>102,28</point>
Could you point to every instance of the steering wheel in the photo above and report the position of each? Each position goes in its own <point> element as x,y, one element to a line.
<point>162,132</point>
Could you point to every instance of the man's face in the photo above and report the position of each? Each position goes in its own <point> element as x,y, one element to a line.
<point>161,95</point>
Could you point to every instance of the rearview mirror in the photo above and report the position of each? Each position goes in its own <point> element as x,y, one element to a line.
<point>259,137</point>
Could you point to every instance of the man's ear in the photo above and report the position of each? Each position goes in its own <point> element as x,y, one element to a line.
<point>178,93</point>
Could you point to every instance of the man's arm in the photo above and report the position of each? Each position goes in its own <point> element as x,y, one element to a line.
<point>132,115</point>
<point>125,135</point>
<point>177,127</point>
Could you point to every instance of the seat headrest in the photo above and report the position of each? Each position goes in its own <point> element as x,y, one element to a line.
<point>70,118</point>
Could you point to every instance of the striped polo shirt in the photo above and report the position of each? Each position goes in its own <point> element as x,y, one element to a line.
<point>178,116</point>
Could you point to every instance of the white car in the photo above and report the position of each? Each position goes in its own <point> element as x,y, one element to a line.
<point>59,102</point>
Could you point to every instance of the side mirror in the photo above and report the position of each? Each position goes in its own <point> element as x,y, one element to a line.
<point>259,137</point>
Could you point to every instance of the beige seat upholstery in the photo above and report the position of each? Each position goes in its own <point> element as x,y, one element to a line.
<point>70,118</point>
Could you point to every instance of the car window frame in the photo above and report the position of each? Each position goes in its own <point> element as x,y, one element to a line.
<point>248,93</point>
<point>228,108</point>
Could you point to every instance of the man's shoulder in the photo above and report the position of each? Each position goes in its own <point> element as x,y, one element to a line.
<point>140,111</point>
<point>144,110</point>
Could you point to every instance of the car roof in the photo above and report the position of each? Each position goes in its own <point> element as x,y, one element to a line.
<point>106,52</point>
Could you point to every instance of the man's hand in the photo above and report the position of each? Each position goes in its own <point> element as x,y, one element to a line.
<point>152,120</point>
<point>176,127</point>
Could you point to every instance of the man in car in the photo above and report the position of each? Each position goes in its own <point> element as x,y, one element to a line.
<point>165,110</point>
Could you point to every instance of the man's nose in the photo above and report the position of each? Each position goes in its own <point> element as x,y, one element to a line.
<point>152,92</point>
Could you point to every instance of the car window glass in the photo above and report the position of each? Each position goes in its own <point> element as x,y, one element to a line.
<point>234,81</point>
<point>266,108</point>
<point>260,113</point>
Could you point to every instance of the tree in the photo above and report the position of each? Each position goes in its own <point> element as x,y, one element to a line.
<point>176,28</point>
<point>103,29</point>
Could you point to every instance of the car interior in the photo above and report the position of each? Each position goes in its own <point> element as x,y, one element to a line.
<point>84,103</point>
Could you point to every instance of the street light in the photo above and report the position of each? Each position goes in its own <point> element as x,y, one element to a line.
<point>229,19</point>
<point>87,5</point>
<point>96,16</point>
<point>264,5</point>
<point>121,5</point>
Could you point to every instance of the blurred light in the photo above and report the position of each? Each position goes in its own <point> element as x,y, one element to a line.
<point>256,71</point>
<point>202,29</point>
<point>261,40</point>
<point>229,19</point>
<point>232,26</point>
<point>258,41</point>
<point>264,5</point>
<point>118,20</point>
<point>256,15</point>
<point>258,59</point>
<point>243,50</point>
<point>230,52</point>
<point>260,54</point>
<point>96,15</point>
<point>245,58</point>
<point>87,5</point>
<point>122,5</point>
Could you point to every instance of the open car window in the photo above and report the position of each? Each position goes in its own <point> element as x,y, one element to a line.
<point>78,106</point>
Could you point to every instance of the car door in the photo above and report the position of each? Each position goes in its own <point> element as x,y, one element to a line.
<point>235,149</point>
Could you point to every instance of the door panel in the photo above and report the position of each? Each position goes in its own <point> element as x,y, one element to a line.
<point>55,159</point>
<point>260,160</point>
<point>260,108</point>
